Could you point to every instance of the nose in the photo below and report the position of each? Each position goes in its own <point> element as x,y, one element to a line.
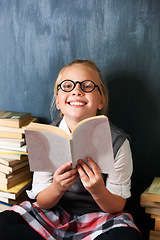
<point>77,90</point>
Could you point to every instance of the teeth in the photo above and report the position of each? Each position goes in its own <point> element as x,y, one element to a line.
<point>77,103</point>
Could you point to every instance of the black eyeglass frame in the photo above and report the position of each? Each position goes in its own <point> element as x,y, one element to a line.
<point>59,86</point>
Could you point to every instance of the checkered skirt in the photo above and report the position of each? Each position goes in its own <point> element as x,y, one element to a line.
<point>59,224</point>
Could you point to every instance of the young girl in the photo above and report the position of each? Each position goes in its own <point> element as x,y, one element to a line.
<point>78,203</point>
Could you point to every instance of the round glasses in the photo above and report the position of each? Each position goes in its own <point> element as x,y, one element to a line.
<point>69,85</point>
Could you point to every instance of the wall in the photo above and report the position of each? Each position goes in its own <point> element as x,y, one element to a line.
<point>38,37</point>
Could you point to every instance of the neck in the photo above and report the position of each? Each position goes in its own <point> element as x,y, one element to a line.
<point>71,123</point>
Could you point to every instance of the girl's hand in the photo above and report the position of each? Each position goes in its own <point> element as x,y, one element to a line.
<point>92,180</point>
<point>64,177</point>
<point>90,177</point>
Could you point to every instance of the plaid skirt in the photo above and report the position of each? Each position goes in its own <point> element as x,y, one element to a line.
<point>58,224</point>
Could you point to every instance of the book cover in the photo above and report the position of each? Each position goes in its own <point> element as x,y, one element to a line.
<point>11,154</point>
<point>22,197</point>
<point>22,149</point>
<point>155,186</point>
<point>15,191</point>
<point>13,132</point>
<point>9,184</point>
<point>154,235</point>
<point>4,206</point>
<point>5,142</point>
<point>14,175</point>
<point>14,119</point>
<point>8,178</point>
<point>9,162</point>
<point>49,147</point>
<point>152,210</point>
<point>13,135</point>
<point>10,169</point>
<point>151,196</point>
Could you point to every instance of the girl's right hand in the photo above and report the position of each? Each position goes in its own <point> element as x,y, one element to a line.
<point>64,177</point>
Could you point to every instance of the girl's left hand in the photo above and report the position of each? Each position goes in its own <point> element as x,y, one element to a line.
<point>91,177</point>
<point>93,182</point>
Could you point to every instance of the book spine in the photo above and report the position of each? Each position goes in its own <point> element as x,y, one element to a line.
<point>74,161</point>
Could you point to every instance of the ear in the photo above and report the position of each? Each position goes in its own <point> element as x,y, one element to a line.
<point>57,103</point>
<point>101,103</point>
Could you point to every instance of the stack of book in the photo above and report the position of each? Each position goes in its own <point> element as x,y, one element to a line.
<point>15,175</point>
<point>150,199</point>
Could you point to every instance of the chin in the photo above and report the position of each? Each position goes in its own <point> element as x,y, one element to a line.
<point>82,117</point>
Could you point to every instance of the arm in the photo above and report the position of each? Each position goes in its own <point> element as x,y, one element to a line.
<point>93,182</point>
<point>63,179</point>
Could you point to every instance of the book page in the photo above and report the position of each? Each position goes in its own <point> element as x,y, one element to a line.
<point>47,151</point>
<point>93,139</point>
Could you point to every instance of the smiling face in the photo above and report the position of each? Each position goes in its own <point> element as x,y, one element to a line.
<point>78,105</point>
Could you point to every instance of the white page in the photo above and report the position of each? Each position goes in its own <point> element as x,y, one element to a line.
<point>47,152</point>
<point>96,143</point>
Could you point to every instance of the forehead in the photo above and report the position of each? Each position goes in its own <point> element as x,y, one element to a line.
<point>79,72</point>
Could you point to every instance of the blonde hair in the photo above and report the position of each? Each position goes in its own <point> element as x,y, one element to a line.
<point>102,85</point>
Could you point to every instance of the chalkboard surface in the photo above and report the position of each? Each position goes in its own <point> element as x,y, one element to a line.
<point>38,37</point>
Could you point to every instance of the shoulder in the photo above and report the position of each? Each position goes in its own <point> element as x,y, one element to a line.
<point>56,122</point>
<point>118,137</point>
<point>117,132</point>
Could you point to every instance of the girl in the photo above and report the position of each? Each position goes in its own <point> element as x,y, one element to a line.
<point>78,203</point>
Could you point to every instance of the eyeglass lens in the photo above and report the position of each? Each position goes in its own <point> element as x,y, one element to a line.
<point>86,86</point>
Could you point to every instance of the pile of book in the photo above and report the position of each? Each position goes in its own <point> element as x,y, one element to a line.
<point>15,175</point>
<point>150,199</point>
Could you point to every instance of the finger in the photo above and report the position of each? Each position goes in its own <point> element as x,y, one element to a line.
<point>82,174</point>
<point>66,183</point>
<point>63,168</point>
<point>69,173</point>
<point>73,179</point>
<point>86,168</point>
<point>94,166</point>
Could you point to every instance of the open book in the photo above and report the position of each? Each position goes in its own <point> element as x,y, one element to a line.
<point>49,147</point>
